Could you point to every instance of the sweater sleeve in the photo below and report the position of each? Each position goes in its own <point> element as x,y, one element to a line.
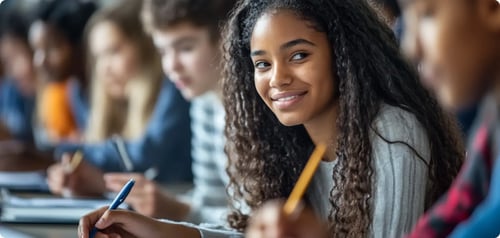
<point>400,175</point>
<point>166,143</point>
<point>210,230</point>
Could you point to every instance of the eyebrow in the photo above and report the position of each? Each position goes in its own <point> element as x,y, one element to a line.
<point>285,46</point>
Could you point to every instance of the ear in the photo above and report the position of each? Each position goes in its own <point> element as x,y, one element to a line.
<point>489,13</point>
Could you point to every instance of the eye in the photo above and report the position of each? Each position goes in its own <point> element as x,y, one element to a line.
<point>299,56</point>
<point>427,10</point>
<point>261,65</point>
<point>186,48</point>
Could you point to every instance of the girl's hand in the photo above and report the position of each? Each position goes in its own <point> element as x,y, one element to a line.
<point>84,180</point>
<point>127,224</point>
<point>270,222</point>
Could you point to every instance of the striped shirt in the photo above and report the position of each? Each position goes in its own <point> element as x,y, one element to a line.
<point>209,199</point>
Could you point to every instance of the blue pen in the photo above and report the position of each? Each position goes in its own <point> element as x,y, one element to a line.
<point>117,201</point>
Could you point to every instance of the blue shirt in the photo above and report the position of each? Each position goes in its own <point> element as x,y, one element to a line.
<point>485,221</point>
<point>79,104</point>
<point>16,110</point>
<point>166,143</point>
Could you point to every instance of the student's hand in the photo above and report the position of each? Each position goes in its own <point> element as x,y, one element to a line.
<point>147,197</point>
<point>125,224</point>
<point>270,222</point>
<point>85,180</point>
<point>4,132</point>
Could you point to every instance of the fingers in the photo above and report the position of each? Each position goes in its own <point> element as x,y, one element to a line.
<point>271,221</point>
<point>88,222</point>
<point>55,178</point>
<point>121,223</point>
<point>268,221</point>
<point>66,162</point>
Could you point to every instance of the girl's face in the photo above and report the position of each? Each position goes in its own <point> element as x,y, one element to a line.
<point>16,57</point>
<point>189,58</point>
<point>116,58</point>
<point>293,67</point>
<point>52,52</point>
<point>453,42</point>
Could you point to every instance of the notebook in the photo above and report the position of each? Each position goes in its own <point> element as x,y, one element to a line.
<point>11,233</point>
<point>25,181</point>
<point>47,210</point>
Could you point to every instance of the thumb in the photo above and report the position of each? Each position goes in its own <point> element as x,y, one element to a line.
<point>65,162</point>
<point>107,219</point>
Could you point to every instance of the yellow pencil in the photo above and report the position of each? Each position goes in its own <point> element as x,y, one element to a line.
<point>304,179</point>
<point>75,161</point>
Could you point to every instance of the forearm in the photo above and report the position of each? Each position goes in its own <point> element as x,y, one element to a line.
<point>188,230</point>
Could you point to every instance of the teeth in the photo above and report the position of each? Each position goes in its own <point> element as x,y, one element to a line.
<point>286,98</point>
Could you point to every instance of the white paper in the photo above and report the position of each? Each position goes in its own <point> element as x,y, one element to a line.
<point>30,179</point>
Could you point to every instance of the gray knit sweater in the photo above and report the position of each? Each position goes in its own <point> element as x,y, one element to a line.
<point>400,178</point>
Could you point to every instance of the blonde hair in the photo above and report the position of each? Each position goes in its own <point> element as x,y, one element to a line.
<point>107,117</point>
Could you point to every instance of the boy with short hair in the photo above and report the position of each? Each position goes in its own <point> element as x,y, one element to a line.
<point>187,35</point>
<point>456,45</point>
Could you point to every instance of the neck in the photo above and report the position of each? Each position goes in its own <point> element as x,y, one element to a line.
<point>323,129</point>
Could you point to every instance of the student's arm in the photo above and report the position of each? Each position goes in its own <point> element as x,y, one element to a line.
<point>165,144</point>
<point>484,221</point>
<point>400,177</point>
<point>126,222</point>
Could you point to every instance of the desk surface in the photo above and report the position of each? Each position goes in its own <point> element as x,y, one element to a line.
<point>69,231</point>
<point>44,231</point>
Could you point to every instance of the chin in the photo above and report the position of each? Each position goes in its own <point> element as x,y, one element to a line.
<point>289,121</point>
<point>451,102</point>
<point>189,94</point>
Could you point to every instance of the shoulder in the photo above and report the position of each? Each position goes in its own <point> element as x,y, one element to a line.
<point>398,133</point>
<point>397,124</point>
<point>170,99</point>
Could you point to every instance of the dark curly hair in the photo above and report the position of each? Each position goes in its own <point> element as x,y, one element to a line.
<point>68,17</point>
<point>266,157</point>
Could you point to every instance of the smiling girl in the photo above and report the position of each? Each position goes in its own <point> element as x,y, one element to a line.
<point>303,72</point>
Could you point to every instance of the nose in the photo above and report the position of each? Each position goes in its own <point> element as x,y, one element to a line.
<point>280,76</point>
<point>171,62</point>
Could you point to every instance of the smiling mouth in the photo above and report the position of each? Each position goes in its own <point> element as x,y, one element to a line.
<point>287,101</point>
<point>286,98</point>
<point>283,97</point>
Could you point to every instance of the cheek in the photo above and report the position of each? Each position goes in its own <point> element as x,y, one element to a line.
<point>60,59</point>
<point>126,65</point>
<point>198,64</point>
<point>262,88</point>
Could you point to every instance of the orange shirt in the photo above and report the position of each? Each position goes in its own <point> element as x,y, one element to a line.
<point>55,111</point>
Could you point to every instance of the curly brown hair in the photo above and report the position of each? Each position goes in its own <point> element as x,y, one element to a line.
<point>266,157</point>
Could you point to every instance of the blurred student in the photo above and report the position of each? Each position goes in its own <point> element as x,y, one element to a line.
<point>188,37</point>
<point>456,44</point>
<point>18,89</point>
<point>138,119</point>
<point>56,39</point>
<point>299,73</point>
